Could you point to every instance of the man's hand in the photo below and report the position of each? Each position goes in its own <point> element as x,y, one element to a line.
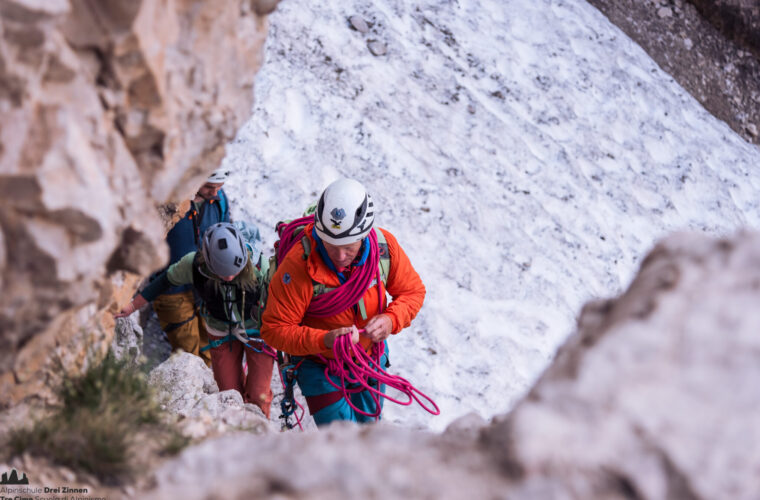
<point>378,328</point>
<point>334,334</point>
<point>133,306</point>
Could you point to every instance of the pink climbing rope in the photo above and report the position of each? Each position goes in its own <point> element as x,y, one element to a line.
<point>349,293</point>
<point>289,235</point>
<point>353,365</point>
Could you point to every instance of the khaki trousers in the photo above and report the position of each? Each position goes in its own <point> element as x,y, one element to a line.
<point>179,318</point>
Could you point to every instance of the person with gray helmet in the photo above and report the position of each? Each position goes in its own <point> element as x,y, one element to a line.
<point>226,278</point>
<point>177,307</point>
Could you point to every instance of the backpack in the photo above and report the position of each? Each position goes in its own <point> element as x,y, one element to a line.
<point>196,218</point>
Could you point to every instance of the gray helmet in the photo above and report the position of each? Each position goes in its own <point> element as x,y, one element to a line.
<point>345,213</point>
<point>224,249</point>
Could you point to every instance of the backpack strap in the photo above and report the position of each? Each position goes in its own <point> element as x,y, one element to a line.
<point>385,256</point>
<point>306,246</point>
<point>223,206</point>
<point>195,218</point>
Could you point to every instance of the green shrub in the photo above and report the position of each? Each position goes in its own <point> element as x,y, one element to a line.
<point>103,414</point>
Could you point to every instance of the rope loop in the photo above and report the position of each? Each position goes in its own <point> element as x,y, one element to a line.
<point>353,366</point>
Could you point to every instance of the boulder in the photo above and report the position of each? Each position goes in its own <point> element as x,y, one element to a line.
<point>181,381</point>
<point>185,387</point>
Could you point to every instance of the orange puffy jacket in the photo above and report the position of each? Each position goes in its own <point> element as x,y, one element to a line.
<point>284,325</point>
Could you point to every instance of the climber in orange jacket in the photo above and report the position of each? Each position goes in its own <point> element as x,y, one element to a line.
<point>337,242</point>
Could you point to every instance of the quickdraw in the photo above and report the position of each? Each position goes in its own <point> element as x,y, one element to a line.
<point>288,406</point>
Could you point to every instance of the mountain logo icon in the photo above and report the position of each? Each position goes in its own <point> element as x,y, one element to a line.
<point>12,478</point>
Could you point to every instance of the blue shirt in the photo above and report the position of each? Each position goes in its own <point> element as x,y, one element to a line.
<point>187,233</point>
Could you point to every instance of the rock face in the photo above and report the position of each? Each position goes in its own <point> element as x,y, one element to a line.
<point>128,339</point>
<point>655,396</point>
<point>181,381</point>
<point>711,47</point>
<point>186,388</point>
<point>738,20</point>
<point>107,109</point>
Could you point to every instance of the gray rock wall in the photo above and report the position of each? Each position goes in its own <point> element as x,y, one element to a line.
<point>738,20</point>
<point>710,47</point>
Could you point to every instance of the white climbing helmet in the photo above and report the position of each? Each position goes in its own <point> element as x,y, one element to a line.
<point>224,249</point>
<point>219,175</point>
<point>345,213</point>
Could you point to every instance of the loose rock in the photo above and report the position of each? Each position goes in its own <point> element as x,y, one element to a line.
<point>128,339</point>
<point>359,24</point>
<point>377,48</point>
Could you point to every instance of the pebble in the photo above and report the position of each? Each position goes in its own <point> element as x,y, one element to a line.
<point>665,12</point>
<point>377,48</point>
<point>358,24</point>
<point>688,43</point>
<point>752,129</point>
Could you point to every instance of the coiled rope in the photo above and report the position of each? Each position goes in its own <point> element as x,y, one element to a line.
<point>352,365</point>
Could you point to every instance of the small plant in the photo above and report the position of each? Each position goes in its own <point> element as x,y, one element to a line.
<point>176,443</point>
<point>96,425</point>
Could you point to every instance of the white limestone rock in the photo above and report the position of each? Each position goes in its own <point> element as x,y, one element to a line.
<point>128,339</point>
<point>181,382</point>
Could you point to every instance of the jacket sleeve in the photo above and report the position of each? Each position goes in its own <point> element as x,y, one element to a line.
<point>179,273</point>
<point>290,293</point>
<point>404,286</point>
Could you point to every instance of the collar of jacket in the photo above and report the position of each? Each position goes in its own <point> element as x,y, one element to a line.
<point>316,268</point>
